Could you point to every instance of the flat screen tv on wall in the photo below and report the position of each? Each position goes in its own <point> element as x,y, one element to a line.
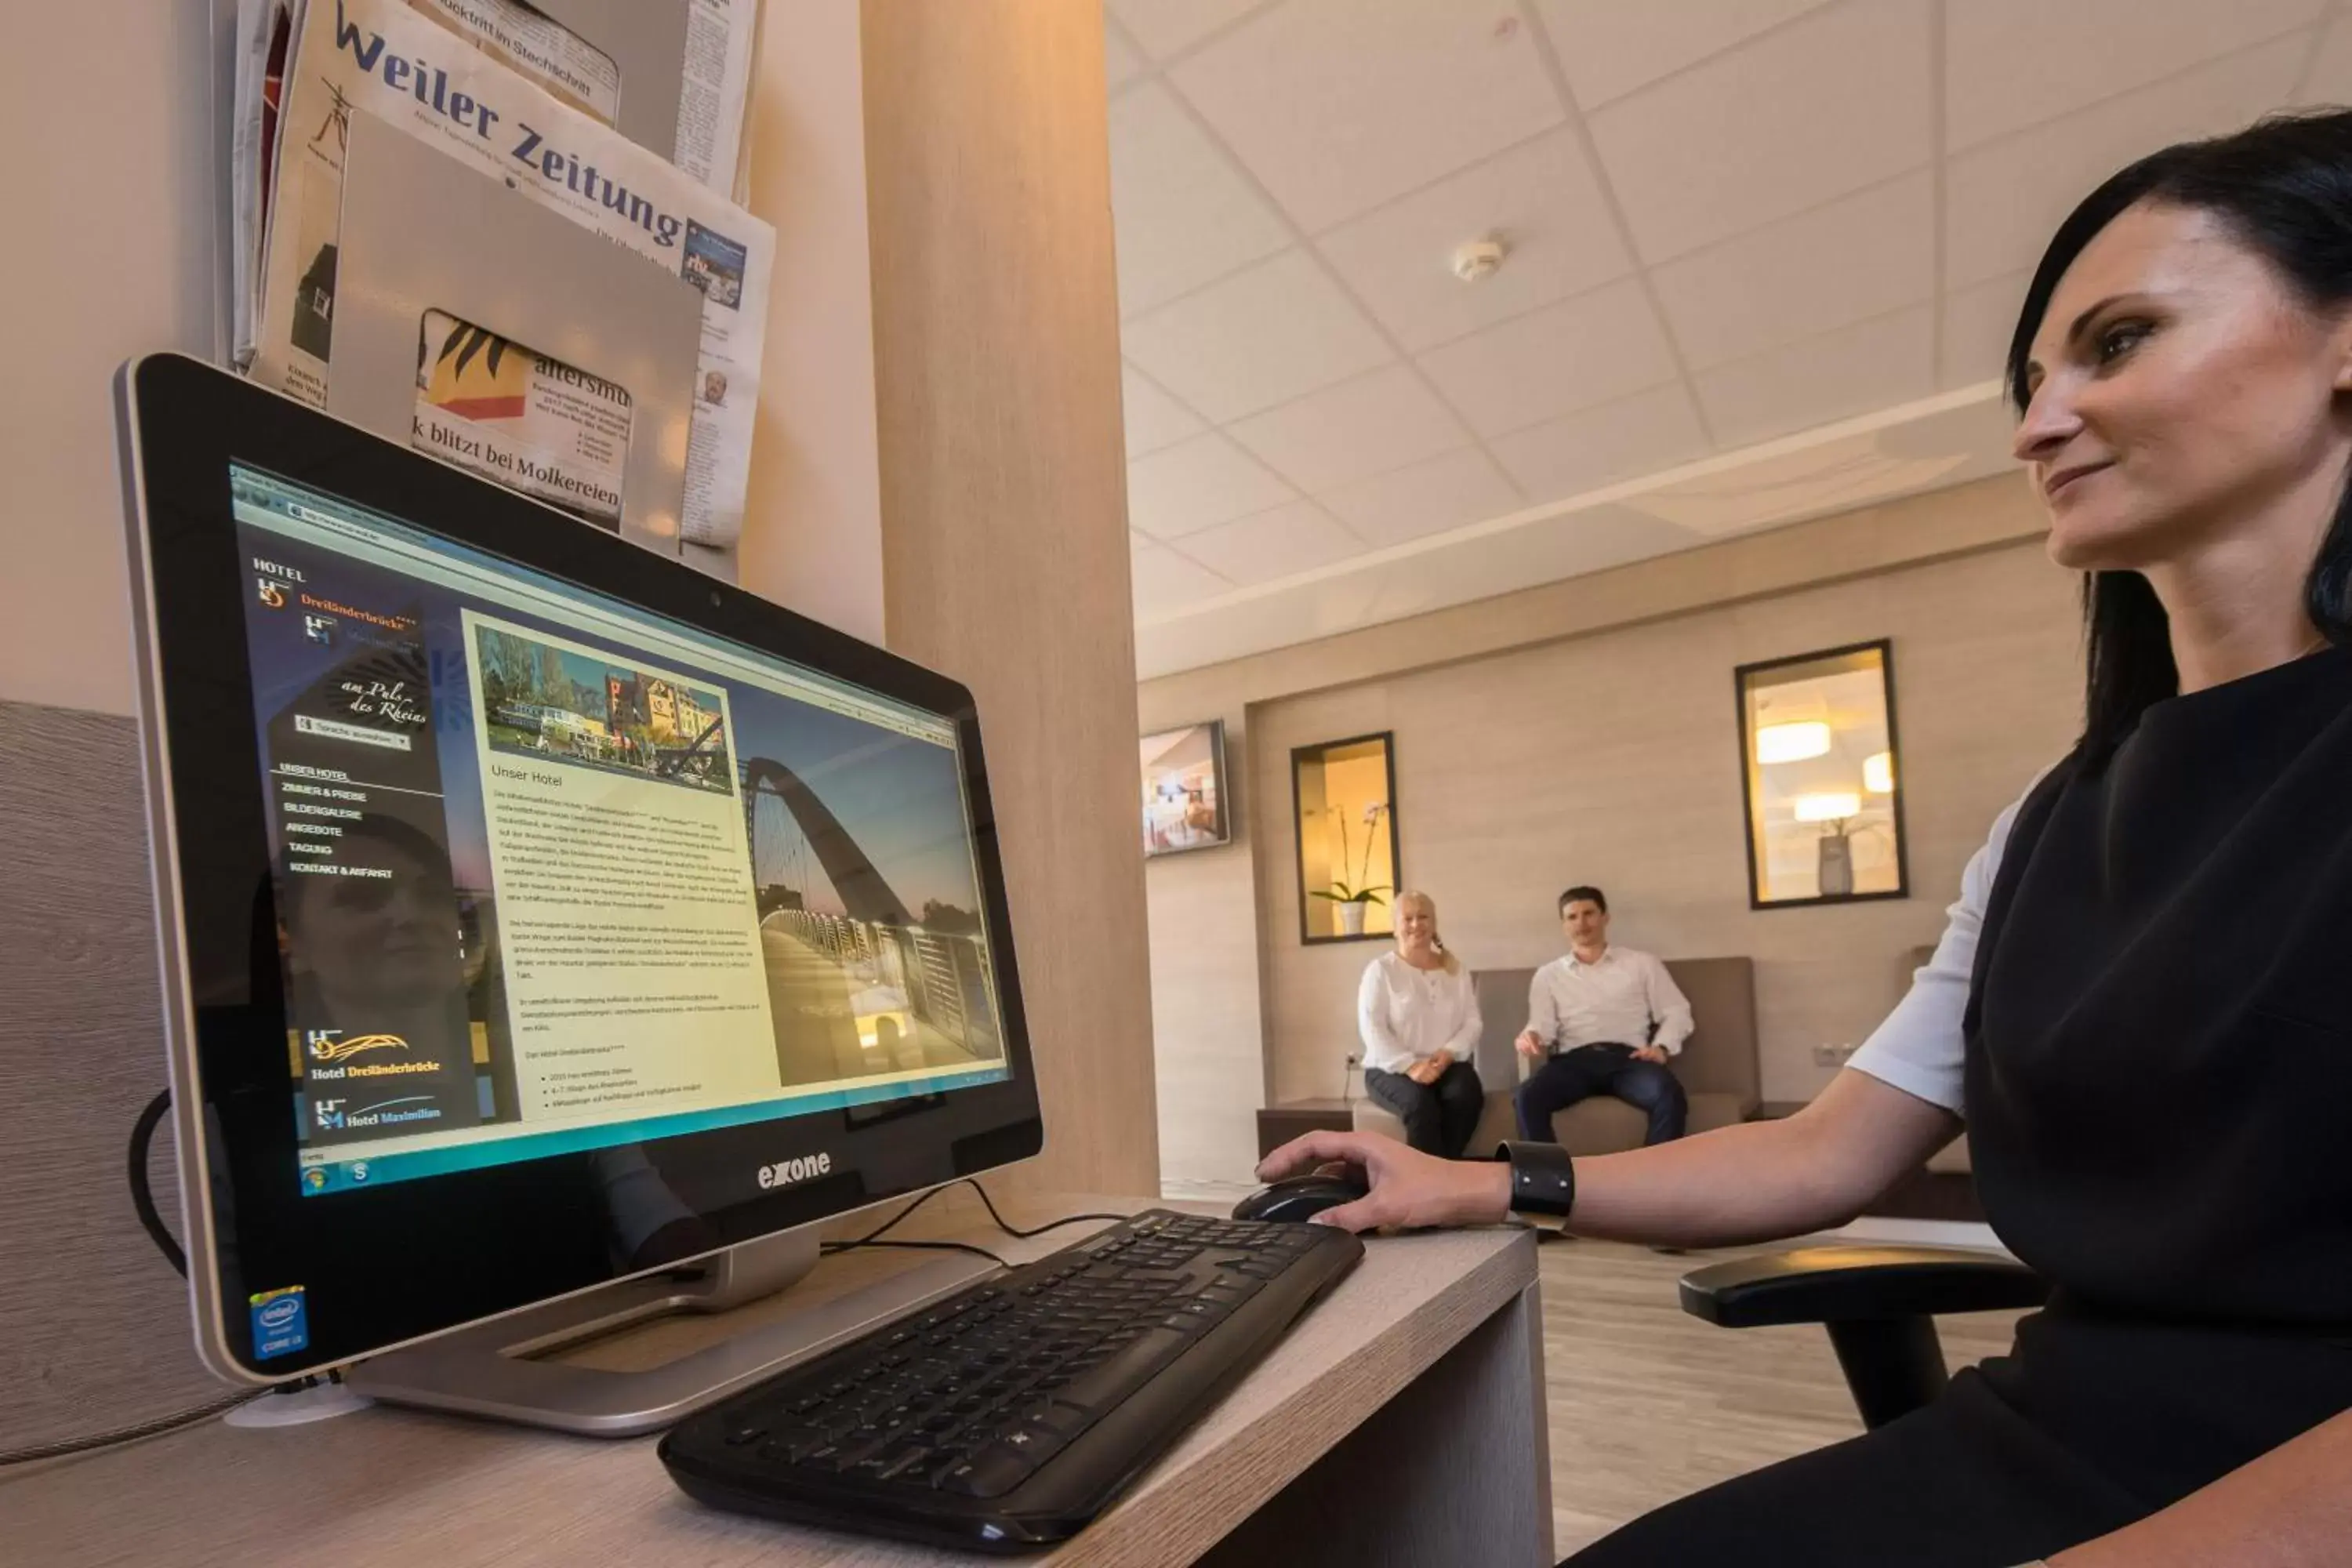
<point>1184,801</point>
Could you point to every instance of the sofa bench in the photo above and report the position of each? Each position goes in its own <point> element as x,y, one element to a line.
<point>1716,1066</point>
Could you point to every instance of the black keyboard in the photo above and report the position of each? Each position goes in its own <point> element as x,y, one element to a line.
<point>1007,1416</point>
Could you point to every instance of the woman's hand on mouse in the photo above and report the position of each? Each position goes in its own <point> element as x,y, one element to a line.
<point>1408,1187</point>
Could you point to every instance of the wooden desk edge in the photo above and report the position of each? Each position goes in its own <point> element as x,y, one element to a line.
<point>1273,1447</point>
<point>1274,1426</point>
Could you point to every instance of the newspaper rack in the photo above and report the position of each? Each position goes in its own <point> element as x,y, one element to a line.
<point>423,231</point>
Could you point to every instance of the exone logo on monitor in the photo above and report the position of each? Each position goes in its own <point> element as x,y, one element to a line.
<point>786,1173</point>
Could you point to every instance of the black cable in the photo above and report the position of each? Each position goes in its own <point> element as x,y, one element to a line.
<point>831,1248</point>
<point>142,1197</point>
<point>130,1434</point>
<point>868,1239</point>
<point>871,1238</point>
<point>1018,1233</point>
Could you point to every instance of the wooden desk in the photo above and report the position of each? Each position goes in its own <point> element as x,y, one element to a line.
<point>1433,1348</point>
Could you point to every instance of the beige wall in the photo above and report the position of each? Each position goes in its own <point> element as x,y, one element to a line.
<point>1589,735</point>
<point>110,255</point>
<point>1208,1066</point>
<point>1005,506</point>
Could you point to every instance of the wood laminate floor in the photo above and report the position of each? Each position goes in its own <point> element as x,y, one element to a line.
<point>1648,1404</point>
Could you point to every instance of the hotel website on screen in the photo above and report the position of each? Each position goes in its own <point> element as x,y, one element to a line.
<point>557,874</point>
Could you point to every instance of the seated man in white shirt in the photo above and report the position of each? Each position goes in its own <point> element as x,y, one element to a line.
<point>1604,1020</point>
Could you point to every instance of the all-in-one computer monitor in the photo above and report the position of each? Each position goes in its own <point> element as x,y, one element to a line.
<point>536,912</point>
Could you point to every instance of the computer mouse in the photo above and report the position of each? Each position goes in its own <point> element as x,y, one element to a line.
<point>1301,1198</point>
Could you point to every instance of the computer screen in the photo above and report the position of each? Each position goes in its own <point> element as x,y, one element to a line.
<point>534,911</point>
<point>555,874</point>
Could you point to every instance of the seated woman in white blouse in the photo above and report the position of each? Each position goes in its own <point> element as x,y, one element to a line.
<point>1419,1017</point>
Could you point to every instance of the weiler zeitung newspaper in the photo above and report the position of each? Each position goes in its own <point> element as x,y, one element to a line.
<point>720,43</point>
<point>713,90</point>
<point>380,57</point>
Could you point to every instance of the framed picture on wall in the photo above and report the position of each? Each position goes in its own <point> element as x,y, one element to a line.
<point>1343,799</point>
<point>1819,774</point>
<point>1184,800</point>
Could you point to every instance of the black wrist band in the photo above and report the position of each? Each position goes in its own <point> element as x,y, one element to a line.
<point>1543,1178</point>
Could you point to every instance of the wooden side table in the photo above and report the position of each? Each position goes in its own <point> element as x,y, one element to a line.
<point>1279,1124</point>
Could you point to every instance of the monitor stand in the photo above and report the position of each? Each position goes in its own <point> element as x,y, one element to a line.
<point>507,1369</point>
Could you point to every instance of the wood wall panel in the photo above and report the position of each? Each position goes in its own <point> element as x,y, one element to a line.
<point>1005,506</point>
<point>93,1323</point>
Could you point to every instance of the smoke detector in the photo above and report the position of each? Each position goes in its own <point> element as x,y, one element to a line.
<point>1476,260</point>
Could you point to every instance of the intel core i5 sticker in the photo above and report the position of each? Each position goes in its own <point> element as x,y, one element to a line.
<point>281,1323</point>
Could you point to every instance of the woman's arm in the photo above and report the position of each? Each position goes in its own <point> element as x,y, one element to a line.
<point>1382,1049</point>
<point>1463,1044</point>
<point>1760,1181</point>
<point>2290,1509</point>
<point>1756,1182</point>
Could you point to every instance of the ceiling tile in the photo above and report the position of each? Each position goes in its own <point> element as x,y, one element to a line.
<point>1540,198</point>
<point>1367,425</point>
<point>1120,62</point>
<point>1338,106</point>
<point>1459,487</point>
<point>1609,47</point>
<point>1294,538</point>
<point>1833,102</point>
<point>1161,580</point>
<point>1154,420</point>
<point>1872,365</point>
<point>1859,256</point>
<point>1164,26</point>
<point>2014,63</point>
<point>1197,484</point>
<point>1261,337</point>
<point>2329,79</point>
<point>1585,451</point>
<point>1592,349</point>
<point>1180,213</point>
<point>1977,321</point>
<point>2004,200</point>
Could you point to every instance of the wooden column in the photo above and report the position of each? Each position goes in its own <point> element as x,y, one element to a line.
<point>1004,509</point>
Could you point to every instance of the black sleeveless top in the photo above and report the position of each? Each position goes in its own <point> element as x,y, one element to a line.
<point>2159,1080</point>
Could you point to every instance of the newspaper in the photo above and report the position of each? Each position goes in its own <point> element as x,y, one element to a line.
<point>521,418</point>
<point>379,57</point>
<point>713,96</point>
<point>713,111</point>
<point>541,48</point>
<point>262,31</point>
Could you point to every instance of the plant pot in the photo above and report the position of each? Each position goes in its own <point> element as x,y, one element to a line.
<point>1351,918</point>
<point>1836,865</point>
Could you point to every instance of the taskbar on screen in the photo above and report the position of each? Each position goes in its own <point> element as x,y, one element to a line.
<point>349,1168</point>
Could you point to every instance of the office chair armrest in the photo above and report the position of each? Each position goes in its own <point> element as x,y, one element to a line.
<point>1837,1284</point>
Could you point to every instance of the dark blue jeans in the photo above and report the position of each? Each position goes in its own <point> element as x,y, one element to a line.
<point>1438,1118</point>
<point>1587,1071</point>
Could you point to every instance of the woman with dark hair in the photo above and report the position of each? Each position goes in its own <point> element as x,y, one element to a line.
<point>2139,1004</point>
